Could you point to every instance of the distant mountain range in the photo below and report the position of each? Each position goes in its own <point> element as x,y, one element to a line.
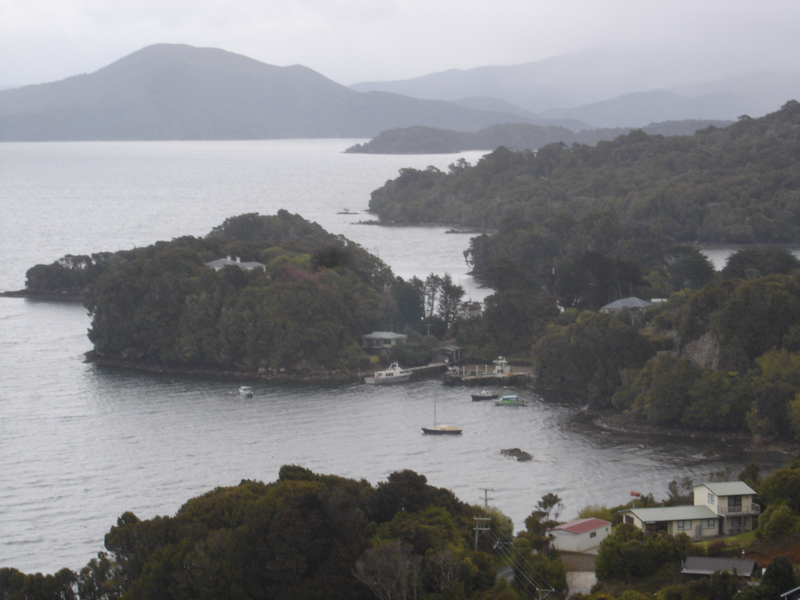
<point>608,87</point>
<point>166,91</point>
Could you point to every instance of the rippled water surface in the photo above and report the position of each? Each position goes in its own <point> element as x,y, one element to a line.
<point>79,445</point>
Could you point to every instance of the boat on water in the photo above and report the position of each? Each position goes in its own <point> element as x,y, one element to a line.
<point>510,401</point>
<point>246,391</point>
<point>440,429</point>
<point>484,396</point>
<point>394,374</point>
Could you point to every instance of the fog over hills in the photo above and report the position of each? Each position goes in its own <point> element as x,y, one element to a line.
<point>613,87</point>
<point>170,91</point>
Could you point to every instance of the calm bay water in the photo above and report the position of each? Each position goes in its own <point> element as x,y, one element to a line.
<point>79,444</point>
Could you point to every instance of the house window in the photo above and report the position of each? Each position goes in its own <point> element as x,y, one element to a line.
<point>738,522</point>
<point>593,534</point>
<point>684,525</point>
<point>711,499</point>
<point>709,523</point>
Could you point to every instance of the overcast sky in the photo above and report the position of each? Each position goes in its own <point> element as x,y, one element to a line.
<point>351,41</point>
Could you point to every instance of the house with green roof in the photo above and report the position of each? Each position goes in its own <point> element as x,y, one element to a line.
<point>719,509</point>
<point>694,521</point>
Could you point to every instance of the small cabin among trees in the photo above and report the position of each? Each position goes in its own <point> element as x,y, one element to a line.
<point>381,342</point>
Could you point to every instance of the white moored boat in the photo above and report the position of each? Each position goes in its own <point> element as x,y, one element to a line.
<point>246,391</point>
<point>394,374</point>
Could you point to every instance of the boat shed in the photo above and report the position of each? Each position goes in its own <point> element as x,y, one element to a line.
<point>447,354</point>
<point>380,342</point>
<point>579,535</point>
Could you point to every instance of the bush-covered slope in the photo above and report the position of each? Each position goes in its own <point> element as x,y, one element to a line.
<point>740,184</point>
<point>307,307</point>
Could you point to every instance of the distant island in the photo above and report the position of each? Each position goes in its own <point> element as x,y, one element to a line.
<point>514,136</point>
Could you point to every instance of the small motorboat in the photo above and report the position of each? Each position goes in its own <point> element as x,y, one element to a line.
<point>510,401</point>
<point>394,374</point>
<point>246,391</point>
<point>484,396</point>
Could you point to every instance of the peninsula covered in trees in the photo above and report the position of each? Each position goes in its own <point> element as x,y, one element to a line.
<point>571,229</point>
<point>737,184</point>
<point>305,307</point>
<point>514,136</point>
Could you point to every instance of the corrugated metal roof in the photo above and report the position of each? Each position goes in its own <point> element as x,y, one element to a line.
<point>582,525</point>
<point>672,513</point>
<point>728,488</point>
<point>705,565</point>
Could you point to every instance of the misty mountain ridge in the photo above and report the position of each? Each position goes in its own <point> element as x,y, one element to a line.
<point>169,91</point>
<point>174,91</point>
<point>599,87</point>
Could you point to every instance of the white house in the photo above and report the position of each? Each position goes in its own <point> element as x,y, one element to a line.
<point>694,521</point>
<point>732,502</point>
<point>221,263</point>
<point>579,535</point>
<point>719,509</point>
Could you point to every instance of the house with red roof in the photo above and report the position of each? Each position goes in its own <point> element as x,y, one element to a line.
<point>579,535</point>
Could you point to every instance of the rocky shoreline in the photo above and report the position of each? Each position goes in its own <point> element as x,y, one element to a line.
<point>296,376</point>
<point>631,429</point>
<point>55,297</point>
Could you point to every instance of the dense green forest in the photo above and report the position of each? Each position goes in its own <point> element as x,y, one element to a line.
<point>306,308</point>
<point>304,536</point>
<point>312,536</point>
<point>573,229</point>
<point>514,136</point>
<point>738,184</point>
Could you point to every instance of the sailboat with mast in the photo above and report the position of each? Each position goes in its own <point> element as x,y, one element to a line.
<point>440,429</point>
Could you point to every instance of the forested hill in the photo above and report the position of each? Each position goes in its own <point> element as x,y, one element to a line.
<point>514,136</point>
<point>738,184</point>
<point>305,308</point>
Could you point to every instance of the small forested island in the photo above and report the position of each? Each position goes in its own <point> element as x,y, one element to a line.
<point>514,136</point>
<point>259,295</point>
<point>309,536</point>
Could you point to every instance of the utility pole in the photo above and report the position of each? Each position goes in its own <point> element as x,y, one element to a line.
<point>481,526</point>
<point>486,496</point>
